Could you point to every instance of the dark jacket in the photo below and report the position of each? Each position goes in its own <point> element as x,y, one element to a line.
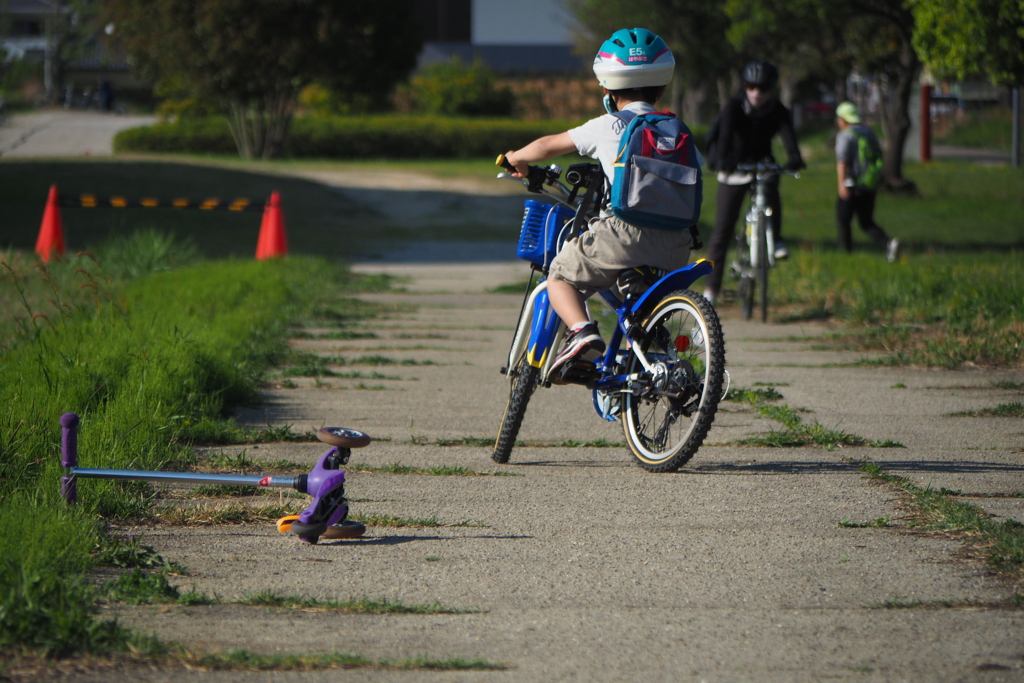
<point>744,134</point>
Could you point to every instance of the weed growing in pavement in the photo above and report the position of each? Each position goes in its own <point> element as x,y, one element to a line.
<point>127,553</point>
<point>753,396</point>
<point>224,513</point>
<point>794,433</point>
<point>364,605</point>
<point>194,597</point>
<point>243,660</point>
<point>1015,409</point>
<point>339,335</point>
<point>488,442</point>
<point>1001,543</point>
<point>880,522</point>
<point>419,335</point>
<point>309,364</point>
<point>138,587</point>
<point>418,522</point>
<point>898,385</point>
<point>771,384</point>
<point>474,441</point>
<point>436,471</point>
<point>1006,384</point>
<point>900,603</point>
<point>887,443</point>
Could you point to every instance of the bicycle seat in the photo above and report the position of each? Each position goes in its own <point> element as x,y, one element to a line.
<point>635,281</point>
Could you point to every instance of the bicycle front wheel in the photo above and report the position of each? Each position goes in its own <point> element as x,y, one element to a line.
<point>523,386</point>
<point>666,417</point>
<point>762,265</point>
<point>745,290</point>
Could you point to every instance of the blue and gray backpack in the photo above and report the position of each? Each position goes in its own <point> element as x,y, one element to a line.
<point>658,181</point>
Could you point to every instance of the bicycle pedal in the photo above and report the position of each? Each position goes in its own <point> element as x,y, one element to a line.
<point>576,372</point>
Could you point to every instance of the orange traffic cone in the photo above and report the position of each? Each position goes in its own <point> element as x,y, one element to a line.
<point>272,241</point>
<point>51,237</point>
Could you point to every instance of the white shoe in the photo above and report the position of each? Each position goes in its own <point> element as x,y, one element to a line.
<point>781,252</point>
<point>892,250</point>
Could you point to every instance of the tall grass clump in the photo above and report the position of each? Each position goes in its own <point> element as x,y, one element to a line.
<point>142,361</point>
<point>943,310</point>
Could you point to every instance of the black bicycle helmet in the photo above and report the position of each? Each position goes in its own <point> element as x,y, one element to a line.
<point>761,73</point>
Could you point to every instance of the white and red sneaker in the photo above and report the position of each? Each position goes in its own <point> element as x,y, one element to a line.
<point>584,343</point>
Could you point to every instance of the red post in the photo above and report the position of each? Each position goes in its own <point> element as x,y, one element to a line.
<point>51,236</point>
<point>926,122</point>
<point>272,240</point>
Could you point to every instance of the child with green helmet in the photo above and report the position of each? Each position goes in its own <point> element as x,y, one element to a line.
<point>633,68</point>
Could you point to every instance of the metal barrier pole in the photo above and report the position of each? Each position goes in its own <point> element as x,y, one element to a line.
<point>69,456</point>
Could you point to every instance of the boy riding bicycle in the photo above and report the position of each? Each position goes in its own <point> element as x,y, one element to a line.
<point>633,67</point>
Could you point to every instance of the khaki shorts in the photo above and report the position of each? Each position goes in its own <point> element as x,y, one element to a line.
<point>592,261</point>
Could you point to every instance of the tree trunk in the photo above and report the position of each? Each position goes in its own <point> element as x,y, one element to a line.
<point>896,116</point>
<point>260,128</point>
<point>676,103</point>
<point>724,93</point>
<point>787,91</point>
<point>693,103</point>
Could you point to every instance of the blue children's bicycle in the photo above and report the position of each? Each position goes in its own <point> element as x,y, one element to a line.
<point>662,374</point>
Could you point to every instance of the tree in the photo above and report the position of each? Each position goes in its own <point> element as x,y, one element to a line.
<point>254,58</point>
<point>873,35</point>
<point>965,37</point>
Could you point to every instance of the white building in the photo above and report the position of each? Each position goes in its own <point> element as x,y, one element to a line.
<point>524,36</point>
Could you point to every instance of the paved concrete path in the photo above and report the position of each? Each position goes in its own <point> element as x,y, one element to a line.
<point>585,567</point>
<point>59,133</point>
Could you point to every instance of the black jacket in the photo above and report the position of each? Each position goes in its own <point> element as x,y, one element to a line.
<point>744,134</point>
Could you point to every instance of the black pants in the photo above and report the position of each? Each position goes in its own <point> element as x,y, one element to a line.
<point>862,204</point>
<point>730,200</point>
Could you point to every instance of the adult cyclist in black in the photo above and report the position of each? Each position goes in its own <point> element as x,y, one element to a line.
<point>745,128</point>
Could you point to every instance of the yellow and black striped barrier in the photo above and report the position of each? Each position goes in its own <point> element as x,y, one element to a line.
<point>90,201</point>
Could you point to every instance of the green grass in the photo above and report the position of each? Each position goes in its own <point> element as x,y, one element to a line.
<point>945,310</point>
<point>138,587</point>
<point>436,471</point>
<point>364,605</point>
<point>795,432</point>
<point>1001,544</point>
<point>243,660</point>
<point>987,129</point>
<point>151,359</point>
<point>1015,409</point>
<point>880,522</point>
<point>226,513</point>
<point>414,522</point>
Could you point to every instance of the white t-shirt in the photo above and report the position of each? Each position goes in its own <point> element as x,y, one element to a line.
<point>599,138</point>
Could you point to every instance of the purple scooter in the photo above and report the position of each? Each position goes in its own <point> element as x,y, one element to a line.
<point>324,517</point>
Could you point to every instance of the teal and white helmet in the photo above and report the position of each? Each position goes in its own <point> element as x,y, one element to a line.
<point>634,58</point>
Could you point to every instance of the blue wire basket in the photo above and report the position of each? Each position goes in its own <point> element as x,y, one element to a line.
<point>544,229</point>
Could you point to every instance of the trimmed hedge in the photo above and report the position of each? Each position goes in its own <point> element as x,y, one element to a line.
<point>402,137</point>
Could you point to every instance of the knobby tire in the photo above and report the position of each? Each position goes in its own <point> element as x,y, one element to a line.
<point>762,264</point>
<point>660,324</point>
<point>525,383</point>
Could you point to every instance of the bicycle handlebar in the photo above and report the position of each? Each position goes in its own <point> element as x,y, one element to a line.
<point>763,169</point>
<point>540,180</point>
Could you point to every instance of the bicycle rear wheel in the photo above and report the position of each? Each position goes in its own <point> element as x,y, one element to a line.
<point>762,265</point>
<point>525,382</point>
<point>666,417</point>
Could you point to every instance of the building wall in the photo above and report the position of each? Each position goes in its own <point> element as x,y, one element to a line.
<point>520,22</point>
